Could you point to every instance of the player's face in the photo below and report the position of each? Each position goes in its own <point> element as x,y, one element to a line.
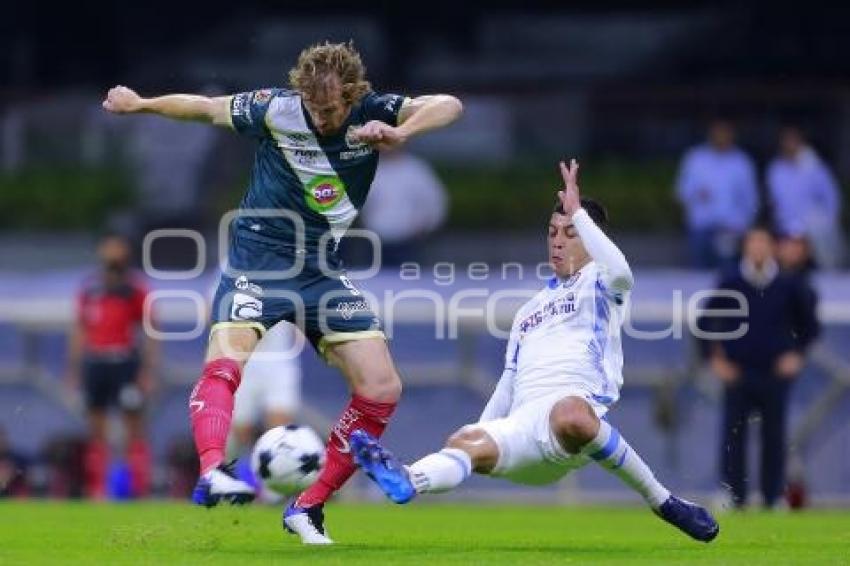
<point>566,251</point>
<point>327,109</point>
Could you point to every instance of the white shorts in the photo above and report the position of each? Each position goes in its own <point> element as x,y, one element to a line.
<point>271,381</point>
<point>529,451</point>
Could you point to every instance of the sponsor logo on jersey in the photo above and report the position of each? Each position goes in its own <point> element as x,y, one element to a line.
<point>262,96</point>
<point>346,282</point>
<point>390,106</point>
<point>348,309</point>
<point>355,153</point>
<point>241,107</point>
<point>323,192</point>
<point>245,307</point>
<point>306,156</point>
<point>565,305</point>
<point>298,139</point>
<point>243,284</point>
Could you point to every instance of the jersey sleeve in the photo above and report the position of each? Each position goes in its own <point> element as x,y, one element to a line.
<point>512,349</point>
<point>615,274</point>
<point>248,111</point>
<point>383,107</point>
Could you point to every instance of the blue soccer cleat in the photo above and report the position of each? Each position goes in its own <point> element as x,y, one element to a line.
<point>381,466</point>
<point>219,484</point>
<point>689,518</point>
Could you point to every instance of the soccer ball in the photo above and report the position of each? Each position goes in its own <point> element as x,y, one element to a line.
<point>288,459</point>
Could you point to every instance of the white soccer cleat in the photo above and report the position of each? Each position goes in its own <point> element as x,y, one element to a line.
<point>309,524</point>
<point>221,483</point>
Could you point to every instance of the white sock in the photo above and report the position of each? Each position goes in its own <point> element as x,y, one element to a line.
<point>440,471</point>
<point>612,452</point>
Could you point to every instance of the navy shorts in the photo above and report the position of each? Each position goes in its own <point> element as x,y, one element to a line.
<point>109,382</point>
<point>267,282</point>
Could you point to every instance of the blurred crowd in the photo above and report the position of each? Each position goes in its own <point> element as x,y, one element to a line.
<point>718,187</point>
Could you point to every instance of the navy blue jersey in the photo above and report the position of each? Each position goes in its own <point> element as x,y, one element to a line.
<point>323,180</point>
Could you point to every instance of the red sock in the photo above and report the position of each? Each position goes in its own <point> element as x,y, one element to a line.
<point>96,469</point>
<point>211,408</point>
<point>362,413</point>
<point>139,462</point>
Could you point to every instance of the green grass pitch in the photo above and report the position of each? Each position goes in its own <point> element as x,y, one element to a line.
<point>175,533</point>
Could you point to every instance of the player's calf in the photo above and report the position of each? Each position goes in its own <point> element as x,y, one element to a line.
<point>580,431</point>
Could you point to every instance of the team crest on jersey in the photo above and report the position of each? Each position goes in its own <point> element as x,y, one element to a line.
<point>262,96</point>
<point>324,192</point>
<point>350,140</point>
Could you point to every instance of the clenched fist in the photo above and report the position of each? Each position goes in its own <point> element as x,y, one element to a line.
<point>122,100</point>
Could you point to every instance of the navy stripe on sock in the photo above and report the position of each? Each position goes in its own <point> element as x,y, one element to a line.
<point>610,447</point>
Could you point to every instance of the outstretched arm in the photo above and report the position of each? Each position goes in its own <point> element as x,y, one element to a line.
<point>216,110</point>
<point>617,273</point>
<point>500,401</point>
<point>417,115</point>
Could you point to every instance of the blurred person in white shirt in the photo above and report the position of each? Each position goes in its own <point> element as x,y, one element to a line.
<point>717,188</point>
<point>407,201</point>
<point>805,198</point>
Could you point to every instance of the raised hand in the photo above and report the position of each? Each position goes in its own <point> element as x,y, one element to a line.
<point>122,100</point>
<point>569,195</point>
<point>379,135</point>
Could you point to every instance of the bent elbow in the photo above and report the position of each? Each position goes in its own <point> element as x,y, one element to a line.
<point>454,105</point>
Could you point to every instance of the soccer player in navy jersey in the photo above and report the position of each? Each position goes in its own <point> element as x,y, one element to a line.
<point>318,150</point>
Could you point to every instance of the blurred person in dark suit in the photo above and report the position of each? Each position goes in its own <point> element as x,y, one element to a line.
<point>111,365</point>
<point>717,188</point>
<point>758,368</point>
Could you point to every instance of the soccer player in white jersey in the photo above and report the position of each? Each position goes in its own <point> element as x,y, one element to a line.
<point>563,372</point>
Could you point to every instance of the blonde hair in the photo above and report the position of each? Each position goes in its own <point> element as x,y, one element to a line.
<point>319,63</point>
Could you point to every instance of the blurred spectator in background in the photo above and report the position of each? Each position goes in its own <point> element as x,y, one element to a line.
<point>406,203</point>
<point>717,188</point>
<point>13,470</point>
<point>805,197</point>
<point>795,255</point>
<point>108,367</point>
<point>757,368</point>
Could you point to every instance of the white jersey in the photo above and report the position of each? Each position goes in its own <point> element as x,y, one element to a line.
<point>568,335</point>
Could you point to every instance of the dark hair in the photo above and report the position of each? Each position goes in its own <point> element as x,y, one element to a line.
<point>594,209</point>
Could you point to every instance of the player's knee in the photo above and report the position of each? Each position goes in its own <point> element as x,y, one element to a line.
<point>225,369</point>
<point>482,451</point>
<point>383,386</point>
<point>390,390</point>
<point>465,438</point>
<point>573,421</point>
